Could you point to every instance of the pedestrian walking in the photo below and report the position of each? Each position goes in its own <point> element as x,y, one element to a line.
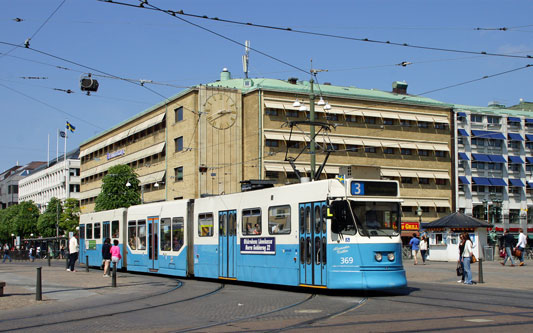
<point>6,253</point>
<point>415,247</point>
<point>31,254</point>
<point>467,258</point>
<point>461,249</point>
<point>62,252</point>
<point>115,252</point>
<point>521,245</point>
<point>106,256</point>
<point>424,245</point>
<point>73,249</point>
<point>508,242</point>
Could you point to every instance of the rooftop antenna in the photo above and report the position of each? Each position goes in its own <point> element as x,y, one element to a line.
<point>245,58</point>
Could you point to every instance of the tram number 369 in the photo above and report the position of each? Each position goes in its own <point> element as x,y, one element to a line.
<point>346,260</point>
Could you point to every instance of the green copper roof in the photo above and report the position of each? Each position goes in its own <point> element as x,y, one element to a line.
<point>498,111</point>
<point>304,87</point>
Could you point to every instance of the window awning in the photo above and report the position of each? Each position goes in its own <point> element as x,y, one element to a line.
<point>407,173</point>
<point>461,114</point>
<point>463,156</point>
<point>497,182</point>
<point>424,146</point>
<point>529,137</point>
<point>462,132</point>
<point>529,160</point>
<point>351,112</point>
<point>515,137</point>
<point>124,134</point>
<point>389,144</point>
<point>408,145</point>
<point>374,114</point>
<point>442,203</point>
<point>464,180</point>
<point>353,142</point>
<point>481,181</point>
<point>371,143</point>
<point>441,175</point>
<point>497,158</point>
<point>516,159</point>
<point>405,116</point>
<point>529,120</point>
<point>90,193</point>
<point>425,174</point>
<point>513,119</point>
<point>426,203</point>
<point>390,173</point>
<point>424,118</point>
<point>441,147</point>
<point>441,120</point>
<point>389,115</point>
<point>152,178</point>
<point>409,203</point>
<point>274,136</point>
<point>488,135</point>
<point>275,167</point>
<point>481,157</point>
<point>516,182</point>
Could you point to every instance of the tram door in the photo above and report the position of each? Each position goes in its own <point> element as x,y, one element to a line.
<point>313,229</point>
<point>153,243</point>
<point>227,236</point>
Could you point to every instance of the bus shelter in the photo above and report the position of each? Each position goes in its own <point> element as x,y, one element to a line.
<point>444,235</point>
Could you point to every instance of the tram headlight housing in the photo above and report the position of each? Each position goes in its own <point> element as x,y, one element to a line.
<point>378,256</point>
<point>391,256</point>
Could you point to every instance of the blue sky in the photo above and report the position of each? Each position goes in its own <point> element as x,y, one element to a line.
<point>140,44</point>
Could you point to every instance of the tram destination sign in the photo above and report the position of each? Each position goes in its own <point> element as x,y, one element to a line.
<point>373,188</point>
<point>258,245</point>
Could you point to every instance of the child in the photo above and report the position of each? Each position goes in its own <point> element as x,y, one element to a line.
<point>115,252</point>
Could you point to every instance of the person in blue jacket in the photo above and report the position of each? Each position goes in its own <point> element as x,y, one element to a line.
<point>415,247</point>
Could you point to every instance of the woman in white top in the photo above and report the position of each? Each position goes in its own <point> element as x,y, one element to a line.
<point>467,257</point>
<point>423,248</point>
<point>521,245</point>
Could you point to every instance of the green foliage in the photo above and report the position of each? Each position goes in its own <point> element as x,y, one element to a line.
<point>115,193</point>
<point>25,221</point>
<point>6,223</point>
<point>70,218</point>
<point>46,224</point>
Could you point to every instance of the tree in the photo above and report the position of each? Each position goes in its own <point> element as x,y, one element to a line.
<point>70,218</point>
<point>115,192</point>
<point>46,225</point>
<point>25,222</point>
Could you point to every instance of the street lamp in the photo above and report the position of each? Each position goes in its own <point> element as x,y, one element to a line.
<point>485,210</point>
<point>128,184</point>
<point>419,214</point>
<point>13,240</point>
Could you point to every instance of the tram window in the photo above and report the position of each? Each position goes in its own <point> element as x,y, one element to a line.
<point>324,219</point>
<point>205,225</point>
<point>114,229</point>
<point>222,222</point>
<point>308,220</point>
<point>165,234</point>
<point>106,230</point>
<point>97,234</point>
<point>279,220</point>
<point>141,235</point>
<point>232,223</point>
<point>251,221</point>
<point>324,247</point>
<point>317,219</point>
<point>177,233</point>
<point>89,231</point>
<point>82,231</point>
<point>132,234</point>
<point>302,250</point>
<point>308,250</point>
<point>302,219</point>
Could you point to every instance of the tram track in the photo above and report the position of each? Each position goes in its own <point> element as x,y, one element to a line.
<point>84,317</point>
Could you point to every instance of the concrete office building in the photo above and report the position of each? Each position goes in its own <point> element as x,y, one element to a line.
<point>59,178</point>
<point>208,138</point>
<point>9,182</point>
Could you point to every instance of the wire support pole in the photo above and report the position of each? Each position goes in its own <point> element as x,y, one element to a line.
<point>312,150</point>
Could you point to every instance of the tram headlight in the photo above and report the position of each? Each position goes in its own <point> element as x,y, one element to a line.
<point>391,256</point>
<point>378,256</point>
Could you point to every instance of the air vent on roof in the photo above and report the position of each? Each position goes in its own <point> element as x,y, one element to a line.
<point>327,83</point>
<point>497,105</point>
<point>292,80</point>
<point>399,87</point>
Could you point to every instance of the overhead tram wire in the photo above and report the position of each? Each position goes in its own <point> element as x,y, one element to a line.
<point>479,79</point>
<point>217,19</point>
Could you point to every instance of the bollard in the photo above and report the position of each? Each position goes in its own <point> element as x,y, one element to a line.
<point>48,260</point>
<point>480,279</point>
<point>38,286</point>
<point>86,263</point>
<point>114,280</point>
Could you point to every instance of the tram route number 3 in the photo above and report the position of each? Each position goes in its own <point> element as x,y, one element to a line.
<point>346,260</point>
<point>357,188</point>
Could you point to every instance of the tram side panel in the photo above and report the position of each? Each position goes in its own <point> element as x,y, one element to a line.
<point>205,238</point>
<point>156,238</point>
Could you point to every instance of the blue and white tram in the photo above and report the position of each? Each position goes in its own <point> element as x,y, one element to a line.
<point>322,234</point>
<point>95,228</point>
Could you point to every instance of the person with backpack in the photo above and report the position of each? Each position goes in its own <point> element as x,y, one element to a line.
<point>106,256</point>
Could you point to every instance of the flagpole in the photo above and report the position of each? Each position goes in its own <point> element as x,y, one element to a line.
<point>57,145</point>
<point>67,174</point>
<point>48,153</point>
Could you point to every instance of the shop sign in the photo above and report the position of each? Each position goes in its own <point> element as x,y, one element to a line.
<point>410,226</point>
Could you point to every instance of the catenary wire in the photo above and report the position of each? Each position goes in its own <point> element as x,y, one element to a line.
<point>217,19</point>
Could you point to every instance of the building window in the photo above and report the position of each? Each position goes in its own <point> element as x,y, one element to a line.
<point>476,118</point>
<point>494,143</point>
<point>370,120</point>
<point>514,215</point>
<point>515,190</point>
<point>514,144</point>
<point>495,166</point>
<point>387,121</point>
<point>423,181</point>
<point>271,112</point>
<point>406,151</point>
<point>272,143</point>
<point>388,150</point>
<point>178,114</point>
<point>351,119</point>
<point>332,117</point>
<point>478,165</point>
<point>440,181</point>
<point>178,143</point>
<point>407,180</point>
<point>440,153</point>
<point>478,188</point>
<point>423,124</point>
<point>440,126</point>
<point>333,146</point>
<point>478,142</point>
<point>271,174</point>
<point>407,209</point>
<point>405,123</point>
<point>422,152</point>
<point>529,167</point>
<point>291,113</point>
<point>493,120</point>
<point>442,209</point>
<point>351,148</point>
<point>370,149</point>
<point>293,144</point>
<point>514,167</point>
<point>178,173</point>
<point>529,144</point>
